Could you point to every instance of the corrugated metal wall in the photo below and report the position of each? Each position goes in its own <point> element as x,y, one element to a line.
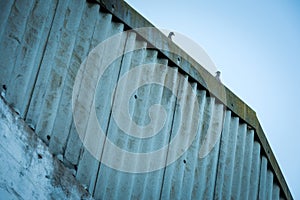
<point>42,46</point>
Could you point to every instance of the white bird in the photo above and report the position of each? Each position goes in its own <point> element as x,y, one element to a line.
<point>218,76</point>
<point>171,34</point>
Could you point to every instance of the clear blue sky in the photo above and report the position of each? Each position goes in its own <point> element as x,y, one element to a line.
<point>256,45</point>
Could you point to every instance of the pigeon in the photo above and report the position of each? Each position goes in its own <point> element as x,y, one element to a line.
<point>170,35</point>
<point>218,76</point>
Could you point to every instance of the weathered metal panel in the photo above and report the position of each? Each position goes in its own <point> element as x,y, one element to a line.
<point>63,120</point>
<point>227,157</point>
<point>55,66</point>
<point>270,185</point>
<point>45,75</point>
<point>262,192</point>
<point>276,192</point>
<point>248,156</point>
<point>131,185</point>
<point>255,169</point>
<point>103,29</point>
<point>42,48</point>
<point>12,37</point>
<point>6,6</point>
<point>30,53</point>
<point>88,166</point>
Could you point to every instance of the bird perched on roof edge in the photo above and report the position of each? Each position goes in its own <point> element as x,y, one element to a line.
<point>171,34</point>
<point>218,76</point>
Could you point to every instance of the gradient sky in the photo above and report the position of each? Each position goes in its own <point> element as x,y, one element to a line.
<point>256,46</point>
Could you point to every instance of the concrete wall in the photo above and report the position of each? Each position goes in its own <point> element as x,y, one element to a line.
<point>206,144</point>
<point>28,169</point>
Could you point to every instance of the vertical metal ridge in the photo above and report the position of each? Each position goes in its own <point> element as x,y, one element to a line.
<point>269,184</point>
<point>214,132</point>
<point>188,157</point>
<point>124,181</point>
<point>229,168</point>
<point>88,39</point>
<point>114,71</point>
<point>149,95</point>
<point>223,154</point>
<point>38,62</point>
<point>275,192</point>
<point>178,166</point>
<point>102,28</point>
<point>173,77</point>
<point>201,163</point>
<point>104,172</point>
<point>169,100</point>
<point>262,193</point>
<point>142,187</point>
<point>219,183</point>
<point>10,44</point>
<point>168,171</point>
<point>60,65</point>
<point>238,162</point>
<point>184,161</point>
<point>245,185</point>
<point>6,8</point>
<point>25,56</point>
<point>64,119</point>
<point>73,147</point>
<point>45,67</point>
<point>255,171</point>
<point>64,116</point>
<point>37,30</point>
<point>139,115</point>
<point>88,165</point>
<point>194,149</point>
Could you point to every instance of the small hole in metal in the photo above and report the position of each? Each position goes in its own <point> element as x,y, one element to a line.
<point>184,161</point>
<point>48,137</point>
